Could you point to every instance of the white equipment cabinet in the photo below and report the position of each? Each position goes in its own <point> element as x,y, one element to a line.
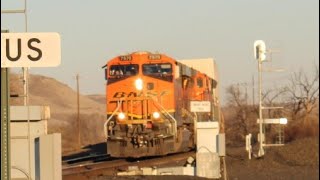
<point>208,160</point>
<point>40,143</point>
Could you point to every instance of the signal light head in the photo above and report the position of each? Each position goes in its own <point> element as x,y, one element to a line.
<point>283,120</point>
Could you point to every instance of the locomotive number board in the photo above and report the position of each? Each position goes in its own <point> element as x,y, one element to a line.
<point>200,106</point>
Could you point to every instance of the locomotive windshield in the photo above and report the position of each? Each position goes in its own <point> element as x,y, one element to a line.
<point>150,69</point>
<point>124,70</point>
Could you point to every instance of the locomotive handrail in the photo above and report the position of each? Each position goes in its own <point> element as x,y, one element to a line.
<point>106,123</point>
<point>166,112</point>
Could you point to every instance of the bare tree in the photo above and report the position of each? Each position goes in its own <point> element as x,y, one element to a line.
<point>245,116</point>
<point>237,100</point>
<point>271,98</point>
<point>303,94</point>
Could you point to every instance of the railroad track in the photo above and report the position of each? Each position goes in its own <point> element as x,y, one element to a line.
<point>90,157</point>
<point>90,153</point>
<point>112,166</point>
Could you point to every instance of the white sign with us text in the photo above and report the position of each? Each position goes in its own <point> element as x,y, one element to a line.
<point>30,49</point>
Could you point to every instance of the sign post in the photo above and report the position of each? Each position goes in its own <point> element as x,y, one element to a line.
<point>5,123</point>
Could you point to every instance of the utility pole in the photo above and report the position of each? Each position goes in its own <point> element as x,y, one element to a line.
<point>78,113</point>
<point>253,103</point>
<point>246,85</point>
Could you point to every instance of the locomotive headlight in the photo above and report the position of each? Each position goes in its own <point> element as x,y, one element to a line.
<point>139,84</point>
<point>156,115</point>
<point>121,116</point>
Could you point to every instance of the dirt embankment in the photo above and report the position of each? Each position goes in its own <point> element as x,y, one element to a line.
<point>62,100</point>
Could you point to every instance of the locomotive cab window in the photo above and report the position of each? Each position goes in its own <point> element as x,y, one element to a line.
<point>149,69</point>
<point>124,70</point>
<point>162,71</point>
<point>200,82</point>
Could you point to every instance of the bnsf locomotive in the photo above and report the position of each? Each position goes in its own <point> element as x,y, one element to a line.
<point>148,104</point>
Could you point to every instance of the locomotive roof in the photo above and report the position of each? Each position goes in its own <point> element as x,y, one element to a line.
<point>138,53</point>
<point>205,65</point>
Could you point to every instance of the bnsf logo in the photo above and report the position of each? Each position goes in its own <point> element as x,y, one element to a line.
<point>140,94</point>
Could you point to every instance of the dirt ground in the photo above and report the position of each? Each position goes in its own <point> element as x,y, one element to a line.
<point>297,160</point>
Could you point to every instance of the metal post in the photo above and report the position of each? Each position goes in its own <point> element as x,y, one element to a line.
<point>261,151</point>
<point>78,112</point>
<point>25,72</point>
<point>25,85</point>
<point>5,125</point>
<point>24,69</point>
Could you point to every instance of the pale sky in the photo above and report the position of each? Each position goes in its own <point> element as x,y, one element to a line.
<point>93,32</point>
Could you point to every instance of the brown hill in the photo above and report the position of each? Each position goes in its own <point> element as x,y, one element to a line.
<point>98,98</point>
<point>62,100</point>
